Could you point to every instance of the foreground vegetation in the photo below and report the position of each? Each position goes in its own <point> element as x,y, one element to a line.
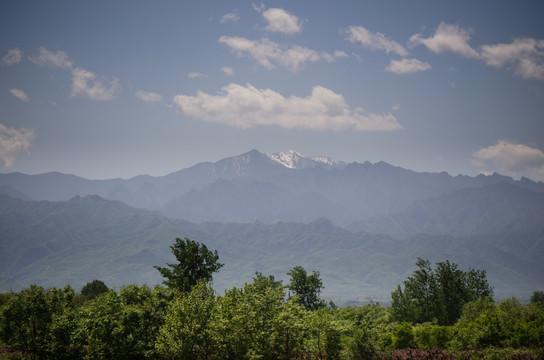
<point>187,319</point>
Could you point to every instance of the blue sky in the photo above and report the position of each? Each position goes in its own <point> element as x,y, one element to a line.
<point>107,89</point>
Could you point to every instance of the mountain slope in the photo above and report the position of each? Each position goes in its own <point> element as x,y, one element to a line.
<point>86,238</point>
<point>341,192</point>
<point>500,208</point>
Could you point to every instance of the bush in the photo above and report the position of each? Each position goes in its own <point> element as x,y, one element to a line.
<point>403,337</point>
<point>428,336</point>
<point>360,346</point>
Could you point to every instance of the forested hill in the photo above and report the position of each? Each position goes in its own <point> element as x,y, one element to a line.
<point>501,208</point>
<point>86,238</point>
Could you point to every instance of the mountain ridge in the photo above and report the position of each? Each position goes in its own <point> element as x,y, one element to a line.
<point>84,238</point>
<point>317,186</point>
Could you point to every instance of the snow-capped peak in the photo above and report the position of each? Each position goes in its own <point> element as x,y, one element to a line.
<point>294,160</point>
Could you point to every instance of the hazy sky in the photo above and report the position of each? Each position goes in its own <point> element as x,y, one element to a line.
<point>106,89</point>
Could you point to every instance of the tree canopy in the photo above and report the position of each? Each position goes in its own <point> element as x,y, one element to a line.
<point>438,294</point>
<point>306,287</point>
<point>94,288</point>
<point>195,263</point>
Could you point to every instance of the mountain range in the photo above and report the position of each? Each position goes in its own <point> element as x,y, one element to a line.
<point>258,186</point>
<point>361,225</point>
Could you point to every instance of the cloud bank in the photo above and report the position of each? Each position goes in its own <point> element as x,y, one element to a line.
<point>13,141</point>
<point>148,96</point>
<point>13,57</point>
<point>447,38</point>
<point>86,84</point>
<point>280,20</point>
<point>230,17</point>
<point>270,54</point>
<point>511,159</point>
<point>246,107</point>
<point>47,58</point>
<point>19,94</point>
<point>407,66</point>
<point>194,75</point>
<point>374,41</point>
<point>228,71</point>
<point>524,56</point>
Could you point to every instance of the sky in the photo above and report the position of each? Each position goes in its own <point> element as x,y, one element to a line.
<point>108,89</point>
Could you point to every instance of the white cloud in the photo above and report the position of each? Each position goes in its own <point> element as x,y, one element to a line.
<point>511,159</point>
<point>340,54</point>
<point>13,141</point>
<point>194,75</point>
<point>247,106</point>
<point>85,84</point>
<point>227,71</point>
<point>280,20</point>
<point>525,56</point>
<point>13,57</point>
<point>447,38</point>
<point>407,66</point>
<point>148,96</point>
<point>374,41</point>
<point>19,94</point>
<point>47,58</point>
<point>269,54</point>
<point>230,17</point>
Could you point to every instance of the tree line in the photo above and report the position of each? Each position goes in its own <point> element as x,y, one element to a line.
<point>437,313</point>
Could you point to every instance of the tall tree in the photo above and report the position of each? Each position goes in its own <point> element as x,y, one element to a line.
<point>92,289</point>
<point>195,263</point>
<point>438,294</point>
<point>306,287</point>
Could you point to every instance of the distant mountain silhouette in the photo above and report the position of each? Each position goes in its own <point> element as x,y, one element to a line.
<point>265,187</point>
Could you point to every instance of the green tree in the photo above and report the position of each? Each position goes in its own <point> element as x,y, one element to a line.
<point>403,336</point>
<point>255,323</point>
<point>195,263</point>
<point>323,334</point>
<point>306,287</point>
<point>93,289</point>
<point>25,319</point>
<point>537,297</point>
<point>360,346</point>
<point>438,295</point>
<point>186,332</point>
<point>120,325</point>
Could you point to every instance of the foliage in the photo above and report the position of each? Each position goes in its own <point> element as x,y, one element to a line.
<point>92,289</point>
<point>121,325</point>
<point>306,287</point>
<point>438,295</point>
<point>256,321</point>
<point>419,354</point>
<point>195,263</point>
<point>186,331</point>
<point>323,340</point>
<point>360,346</point>
<point>25,321</point>
<point>537,297</point>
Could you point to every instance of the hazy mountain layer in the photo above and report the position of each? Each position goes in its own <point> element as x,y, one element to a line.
<point>500,208</point>
<point>86,238</point>
<point>264,187</point>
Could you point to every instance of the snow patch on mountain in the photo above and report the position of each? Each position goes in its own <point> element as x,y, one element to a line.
<point>295,160</point>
